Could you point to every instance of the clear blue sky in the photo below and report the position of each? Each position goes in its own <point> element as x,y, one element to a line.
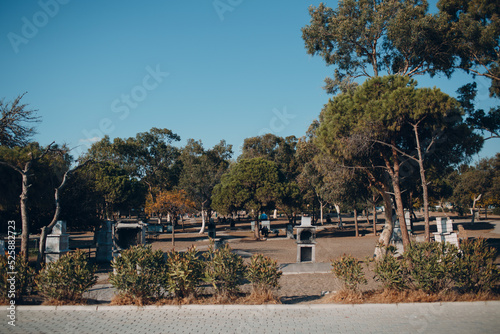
<point>122,67</point>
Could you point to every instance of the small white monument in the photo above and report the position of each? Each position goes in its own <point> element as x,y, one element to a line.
<point>57,242</point>
<point>408,222</point>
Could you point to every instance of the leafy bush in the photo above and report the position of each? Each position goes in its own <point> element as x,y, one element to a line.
<point>349,270</point>
<point>139,273</point>
<point>224,270</point>
<point>185,271</point>
<point>430,265</point>
<point>67,278</point>
<point>391,272</point>
<point>24,277</point>
<point>475,270</point>
<point>263,274</point>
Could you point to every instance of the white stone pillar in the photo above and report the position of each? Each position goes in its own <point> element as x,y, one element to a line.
<point>57,242</point>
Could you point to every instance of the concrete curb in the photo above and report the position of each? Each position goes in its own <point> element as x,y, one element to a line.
<point>97,308</point>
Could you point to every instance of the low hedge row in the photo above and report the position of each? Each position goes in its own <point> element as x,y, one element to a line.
<point>141,273</point>
<point>431,267</point>
<point>144,275</point>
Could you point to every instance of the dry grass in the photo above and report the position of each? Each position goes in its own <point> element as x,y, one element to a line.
<point>124,299</point>
<point>260,297</point>
<point>388,296</point>
<point>345,297</point>
<point>256,298</point>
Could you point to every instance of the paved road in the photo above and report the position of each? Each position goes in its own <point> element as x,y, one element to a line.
<point>477,317</point>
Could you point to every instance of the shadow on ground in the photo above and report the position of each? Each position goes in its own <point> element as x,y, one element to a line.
<point>299,299</point>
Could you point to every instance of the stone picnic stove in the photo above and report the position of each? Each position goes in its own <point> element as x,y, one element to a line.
<point>306,241</point>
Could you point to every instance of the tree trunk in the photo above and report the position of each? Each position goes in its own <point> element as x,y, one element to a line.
<point>321,205</point>
<point>41,248</point>
<point>374,219</point>
<point>394,173</point>
<point>424,186</point>
<point>400,213</point>
<point>356,227</point>
<point>173,230</point>
<point>202,230</point>
<point>337,208</point>
<point>48,229</point>
<point>24,212</point>
<point>256,232</point>
<point>385,236</point>
<point>473,210</point>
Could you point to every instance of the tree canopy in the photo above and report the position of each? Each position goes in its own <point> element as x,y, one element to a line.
<point>149,156</point>
<point>201,171</point>
<point>273,148</point>
<point>368,38</point>
<point>372,38</point>
<point>473,31</point>
<point>250,185</point>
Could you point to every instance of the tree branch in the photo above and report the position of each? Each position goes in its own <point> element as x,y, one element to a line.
<point>17,169</point>
<point>395,148</point>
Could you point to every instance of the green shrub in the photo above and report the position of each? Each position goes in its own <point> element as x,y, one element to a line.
<point>263,273</point>
<point>475,270</point>
<point>185,271</point>
<point>67,278</point>
<point>224,270</point>
<point>390,271</point>
<point>349,271</point>
<point>24,277</point>
<point>139,273</point>
<point>430,265</point>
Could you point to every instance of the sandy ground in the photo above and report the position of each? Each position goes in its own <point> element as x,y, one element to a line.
<point>331,243</point>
